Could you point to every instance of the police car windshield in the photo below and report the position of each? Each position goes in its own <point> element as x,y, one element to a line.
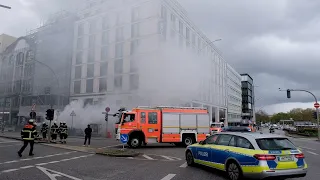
<point>275,144</point>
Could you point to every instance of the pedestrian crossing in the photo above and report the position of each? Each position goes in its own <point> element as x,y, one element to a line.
<point>154,157</point>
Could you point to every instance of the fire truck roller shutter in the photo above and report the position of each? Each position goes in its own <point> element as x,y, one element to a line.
<point>136,138</point>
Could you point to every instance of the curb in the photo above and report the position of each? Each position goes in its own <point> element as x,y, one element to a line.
<point>117,153</point>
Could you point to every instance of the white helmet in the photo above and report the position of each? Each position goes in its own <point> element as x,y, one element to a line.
<point>55,122</point>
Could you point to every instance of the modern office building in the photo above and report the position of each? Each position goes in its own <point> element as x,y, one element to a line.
<point>123,53</point>
<point>247,97</point>
<point>35,69</point>
<point>234,95</point>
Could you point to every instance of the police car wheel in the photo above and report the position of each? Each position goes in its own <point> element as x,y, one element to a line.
<point>189,158</point>
<point>234,171</point>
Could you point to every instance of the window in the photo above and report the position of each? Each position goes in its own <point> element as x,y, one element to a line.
<point>80,43</point>
<point>20,59</point>
<point>135,14</point>
<point>224,140</point>
<point>275,144</point>
<point>233,142</point>
<point>103,69</point>
<point>105,38</point>
<point>104,53</point>
<point>134,46</point>
<point>142,117</point>
<point>89,88</point>
<point>135,30</point>
<point>119,50</point>
<point>80,29</point>
<point>134,81</point>
<point>91,56</point>
<point>180,27</point>
<point>90,70</point>
<point>118,82</point>
<point>119,34</point>
<point>118,66</point>
<point>92,27</point>
<point>163,12</point>
<point>211,139</point>
<point>79,57</point>
<point>244,143</point>
<point>92,41</point>
<point>78,72</point>
<point>134,67</point>
<point>105,23</point>
<point>128,117</point>
<point>173,21</point>
<point>152,118</point>
<point>77,87</point>
<point>188,34</point>
<point>102,84</point>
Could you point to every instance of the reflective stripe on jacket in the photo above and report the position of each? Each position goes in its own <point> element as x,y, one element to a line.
<point>28,132</point>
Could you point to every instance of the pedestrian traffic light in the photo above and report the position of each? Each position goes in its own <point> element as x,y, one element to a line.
<point>33,115</point>
<point>314,114</point>
<point>106,117</point>
<point>50,114</point>
<point>288,94</point>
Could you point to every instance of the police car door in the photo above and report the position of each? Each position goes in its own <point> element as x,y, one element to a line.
<point>204,151</point>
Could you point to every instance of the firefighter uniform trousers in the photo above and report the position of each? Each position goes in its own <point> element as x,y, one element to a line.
<point>63,133</point>
<point>28,133</point>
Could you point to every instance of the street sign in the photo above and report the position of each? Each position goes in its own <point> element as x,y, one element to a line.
<point>33,107</point>
<point>124,138</point>
<point>316,105</point>
<point>107,109</point>
<point>33,115</point>
<point>73,113</point>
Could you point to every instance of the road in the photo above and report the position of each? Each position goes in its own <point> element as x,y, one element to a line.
<point>162,162</point>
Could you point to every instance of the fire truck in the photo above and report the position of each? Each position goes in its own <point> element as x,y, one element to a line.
<point>216,127</point>
<point>164,124</point>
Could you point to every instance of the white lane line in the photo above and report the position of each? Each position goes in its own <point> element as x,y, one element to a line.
<point>45,163</point>
<point>9,170</point>
<point>130,158</point>
<point>168,158</point>
<point>168,177</point>
<point>312,153</point>
<point>308,148</point>
<point>40,157</point>
<point>184,165</point>
<point>26,167</point>
<point>147,157</point>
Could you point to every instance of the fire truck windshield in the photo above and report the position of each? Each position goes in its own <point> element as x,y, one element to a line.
<point>128,117</point>
<point>216,125</point>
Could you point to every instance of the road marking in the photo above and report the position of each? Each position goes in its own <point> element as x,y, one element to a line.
<point>39,157</point>
<point>110,146</point>
<point>130,158</point>
<point>184,165</point>
<point>147,157</point>
<point>9,170</point>
<point>312,153</point>
<point>168,177</point>
<point>26,167</point>
<point>308,148</point>
<point>44,163</point>
<point>169,158</point>
<point>53,174</point>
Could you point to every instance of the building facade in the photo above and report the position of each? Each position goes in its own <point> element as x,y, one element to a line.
<point>121,46</point>
<point>247,97</point>
<point>35,69</point>
<point>234,95</point>
<point>5,41</point>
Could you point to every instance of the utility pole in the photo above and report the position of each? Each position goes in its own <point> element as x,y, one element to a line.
<point>3,6</point>
<point>316,104</point>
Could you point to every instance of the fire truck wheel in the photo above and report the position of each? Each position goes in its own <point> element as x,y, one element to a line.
<point>135,142</point>
<point>188,140</point>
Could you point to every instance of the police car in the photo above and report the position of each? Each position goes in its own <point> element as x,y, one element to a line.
<point>249,155</point>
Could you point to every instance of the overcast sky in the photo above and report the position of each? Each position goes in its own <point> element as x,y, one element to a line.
<point>275,41</point>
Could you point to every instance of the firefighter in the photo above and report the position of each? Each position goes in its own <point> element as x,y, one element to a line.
<point>54,131</point>
<point>64,132</point>
<point>44,130</point>
<point>28,134</point>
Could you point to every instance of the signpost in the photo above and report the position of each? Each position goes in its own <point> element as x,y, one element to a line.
<point>316,105</point>
<point>107,109</point>
<point>124,138</point>
<point>72,114</point>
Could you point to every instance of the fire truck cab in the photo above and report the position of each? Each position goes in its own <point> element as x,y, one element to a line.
<point>216,127</point>
<point>163,124</point>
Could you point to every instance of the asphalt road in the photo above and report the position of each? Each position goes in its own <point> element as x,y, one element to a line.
<point>158,162</point>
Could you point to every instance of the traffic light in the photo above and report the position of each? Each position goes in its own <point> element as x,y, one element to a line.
<point>314,114</point>
<point>33,115</point>
<point>106,117</point>
<point>288,94</point>
<point>50,114</point>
